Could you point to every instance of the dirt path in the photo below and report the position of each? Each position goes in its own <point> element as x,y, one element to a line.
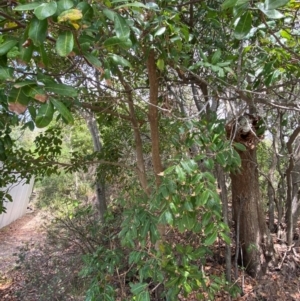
<point>25,230</point>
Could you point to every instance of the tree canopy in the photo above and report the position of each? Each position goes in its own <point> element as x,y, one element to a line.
<point>178,89</point>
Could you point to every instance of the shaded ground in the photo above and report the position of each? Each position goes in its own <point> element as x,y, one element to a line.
<point>25,230</point>
<point>280,284</point>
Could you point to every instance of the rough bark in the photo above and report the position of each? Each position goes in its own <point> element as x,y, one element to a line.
<point>141,170</point>
<point>254,237</point>
<point>255,240</point>
<point>100,184</point>
<point>271,180</point>
<point>292,186</point>
<point>223,195</point>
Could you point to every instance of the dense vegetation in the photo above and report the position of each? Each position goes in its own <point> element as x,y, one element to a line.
<point>160,107</point>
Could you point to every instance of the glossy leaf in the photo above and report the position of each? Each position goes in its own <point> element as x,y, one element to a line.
<point>26,52</point>
<point>25,83</point>
<point>133,4</point>
<point>44,56</point>
<point>86,9</point>
<point>118,42</point>
<point>19,96</point>
<point>63,5</point>
<point>62,109</point>
<point>160,64</point>
<point>7,45</point>
<point>160,31</point>
<point>38,31</point>
<point>240,146</point>
<point>270,13</point>
<point>138,288</point>
<point>17,100</point>
<point>110,14</point>
<point>70,15</point>
<point>121,27</point>
<point>61,89</point>
<point>120,60</point>
<point>65,43</point>
<point>37,93</point>
<point>229,3</point>
<point>44,115</point>
<point>29,6</point>
<point>45,10</point>
<point>243,26</point>
<point>93,60</point>
<point>211,238</point>
<point>272,4</point>
<point>6,73</point>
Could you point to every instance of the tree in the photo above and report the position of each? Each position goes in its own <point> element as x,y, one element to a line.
<point>163,70</point>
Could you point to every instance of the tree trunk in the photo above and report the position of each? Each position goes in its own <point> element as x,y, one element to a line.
<point>223,195</point>
<point>100,183</point>
<point>256,244</point>
<point>271,180</point>
<point>292,193</point>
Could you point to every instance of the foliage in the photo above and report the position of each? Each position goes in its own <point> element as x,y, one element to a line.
<point>188,203</point>
<point>138,68</point>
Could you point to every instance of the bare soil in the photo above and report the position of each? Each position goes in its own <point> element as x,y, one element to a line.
<point>25,230</point>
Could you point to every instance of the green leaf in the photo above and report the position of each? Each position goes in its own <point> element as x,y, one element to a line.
<point>243,26</point>
<point>110,14</point>
<point>45,10</point>
<point>133,4</point>
<point>36,93</point>
<point>62,109</point>
<point>26,52</point>
<point>19,96</point>
<point>93,60</point>
<point>71,15</point>
<point>61,89</point>
<point>216,57</point>
<point>87,10</point>
<point>168,217</point>
<point>225,237</point>
<point>38,31</point>
<point>7,45</point>
<point>160,64</point>
<point>24,84</point>
<point>138,288</point>
<point>188,221</point>
<point>270,13</point>
<point>29,6</point>
<point>44,115</point>
<point>144,296</point>
<point>121,27</point>
<point>64,5</point>
<point>210,239</point>
<point>6,73</point>
<point>120,60</point>
<point>229,3</point>
<point>273,14</point>
<point>272,4</point>
<point>17,100</point>
<point>202,198</point>
<point>239,146</point>
<point>44,56</point>
<point>65,43</point>
<point>119,42</point>
<point>160,31</point>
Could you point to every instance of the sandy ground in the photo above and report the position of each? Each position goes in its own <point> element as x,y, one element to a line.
<point>27,229</point>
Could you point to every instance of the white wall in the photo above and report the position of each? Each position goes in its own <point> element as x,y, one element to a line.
<point>20,194</point>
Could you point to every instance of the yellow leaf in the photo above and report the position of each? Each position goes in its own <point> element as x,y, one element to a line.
<point>75,25</point>
<point>70,15</point>
<point>10,25</point>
